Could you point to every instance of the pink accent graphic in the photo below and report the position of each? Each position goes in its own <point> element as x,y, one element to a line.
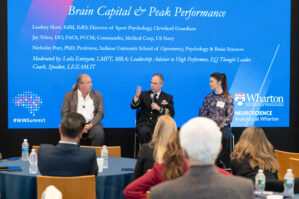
<point>29,101</point>
<point>26,98</point>
<point>44,13</point>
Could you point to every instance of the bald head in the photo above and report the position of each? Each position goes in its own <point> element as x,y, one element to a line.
<point>84,83</point>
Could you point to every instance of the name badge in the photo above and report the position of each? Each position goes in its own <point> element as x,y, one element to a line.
<point>220,104</point>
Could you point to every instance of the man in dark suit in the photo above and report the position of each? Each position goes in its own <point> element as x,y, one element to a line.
<point>82,99</point>
<point>67,158</point>
<point>153,103</point>
<point>200,139</point>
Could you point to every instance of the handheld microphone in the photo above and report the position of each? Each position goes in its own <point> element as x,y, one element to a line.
<point>152,97</point>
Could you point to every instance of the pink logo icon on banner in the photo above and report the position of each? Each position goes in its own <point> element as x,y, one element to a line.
<point>28,100</point>
<point>240,99</point>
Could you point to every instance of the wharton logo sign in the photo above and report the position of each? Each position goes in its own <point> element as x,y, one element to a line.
<point>258,100</point>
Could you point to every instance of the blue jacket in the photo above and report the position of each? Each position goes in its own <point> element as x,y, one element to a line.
<point>66,160</point>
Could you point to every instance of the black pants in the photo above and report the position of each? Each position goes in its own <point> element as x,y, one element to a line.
<point>223,159</point>
<point>145,132</point>
<point>96,135</point>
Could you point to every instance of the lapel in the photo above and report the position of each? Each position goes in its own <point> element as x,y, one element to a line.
<point>93,97</point>
<point>161,98</point>
<point>75,99</point>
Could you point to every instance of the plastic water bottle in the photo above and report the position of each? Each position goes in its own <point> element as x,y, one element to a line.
<point>33,162</point>
<point>25,150</point>
<point>289,183</point>
<point>104,154</point>
<point>260,181</point>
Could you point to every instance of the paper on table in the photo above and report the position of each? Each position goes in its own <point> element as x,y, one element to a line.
<point>100,162</point>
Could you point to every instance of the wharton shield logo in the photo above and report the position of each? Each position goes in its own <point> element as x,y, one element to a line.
<point>240,99</point>
<point>28,100</point>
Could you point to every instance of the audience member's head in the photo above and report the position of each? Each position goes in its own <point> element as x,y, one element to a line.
<point>71,126</point>
<point>164,128</point>
<point>173,158</point>
<point>200,139</point>
<point>254,146</point>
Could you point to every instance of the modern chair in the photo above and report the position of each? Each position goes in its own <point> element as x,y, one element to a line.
<point>35,147</point>
<point>114,151</point>
<point>148,195</point>
<point>84,140</point>
<point>231,143</point>
<point>283,159</point>
<point>296,188</point>
<point>137,145</point>
<point>223,160</point>
<point>294,165</point>
<point>70,187</point>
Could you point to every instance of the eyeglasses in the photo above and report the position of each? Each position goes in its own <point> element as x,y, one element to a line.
<point>155,83</point>
<point>89,82</point>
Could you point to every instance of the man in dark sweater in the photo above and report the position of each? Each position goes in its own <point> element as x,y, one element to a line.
<point>67,158</point>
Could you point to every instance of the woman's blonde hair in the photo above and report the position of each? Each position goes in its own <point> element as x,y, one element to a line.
<point>164,128</point>
<point>173,158</point>
<point>254,146</point>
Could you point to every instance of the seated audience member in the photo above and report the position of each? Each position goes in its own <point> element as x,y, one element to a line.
<point>254,152</point>
<point>67,158</point>
<point>154,151</point>
<point>172,167</point>
<point>200,139</point>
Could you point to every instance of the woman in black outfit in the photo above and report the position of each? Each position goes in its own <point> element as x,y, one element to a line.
<point>153,152</point>
<point>254,152</point>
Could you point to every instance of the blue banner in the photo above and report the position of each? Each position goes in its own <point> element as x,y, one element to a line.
<point>121,44</point>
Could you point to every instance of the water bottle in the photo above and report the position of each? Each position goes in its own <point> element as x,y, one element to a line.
<point>104,154</point>
<point>260,181</point>
<point>25,150</point>
<point>289,183</point>
<point>33,162</point>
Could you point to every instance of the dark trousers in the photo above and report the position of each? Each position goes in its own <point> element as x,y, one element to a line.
<point>96,135</point>
<point>145,132</point>
<point>223,159</point>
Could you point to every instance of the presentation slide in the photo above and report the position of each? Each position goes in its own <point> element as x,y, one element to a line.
<point>121,44</point>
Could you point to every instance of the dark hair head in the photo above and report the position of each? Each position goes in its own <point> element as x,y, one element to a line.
<point>72,124</point>
<point>160,76</point>
<point>221,77</point>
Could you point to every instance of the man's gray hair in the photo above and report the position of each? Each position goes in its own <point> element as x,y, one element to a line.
<point>160,77</point>
<point>201,139</point>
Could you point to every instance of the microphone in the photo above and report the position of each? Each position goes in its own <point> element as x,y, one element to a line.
<point>84,106</point>
<point>152,97</point>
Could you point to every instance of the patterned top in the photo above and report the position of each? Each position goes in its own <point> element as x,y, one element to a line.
<point>218,108</point>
